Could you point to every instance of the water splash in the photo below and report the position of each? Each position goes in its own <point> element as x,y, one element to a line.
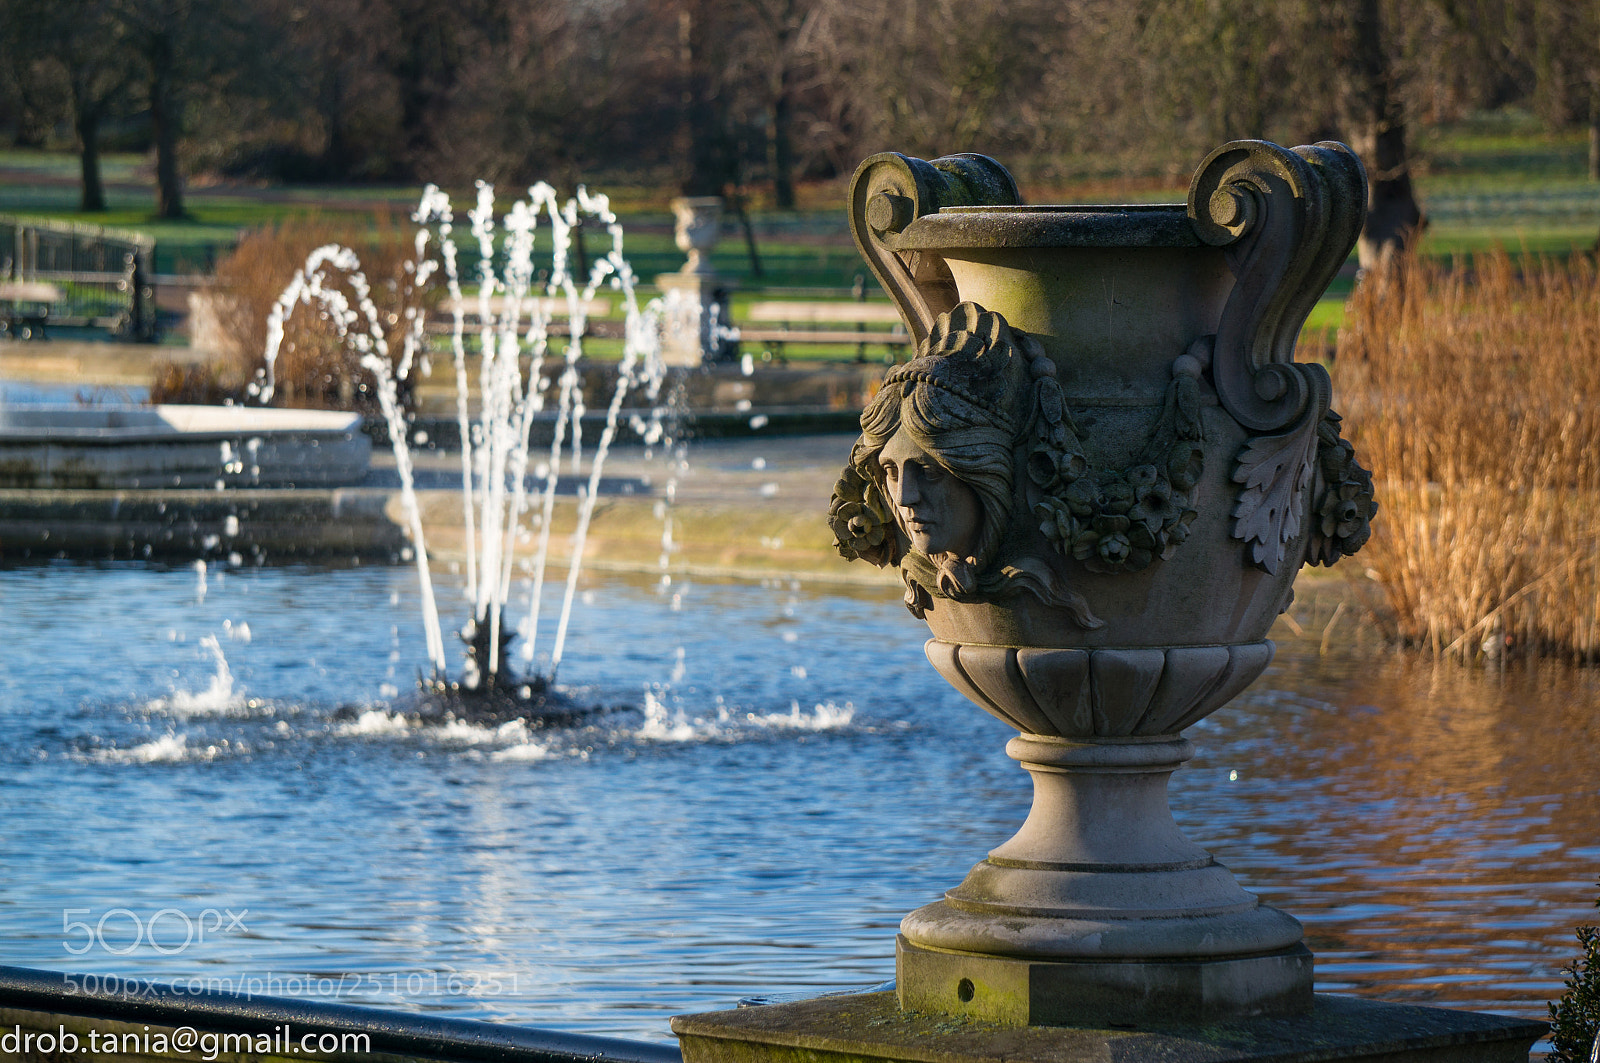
<point>664,724</point>
<point>167,749</point>
<point>376,723</point>
<point>514,739</point>
<point>171,748</point>
<point>218,697</point>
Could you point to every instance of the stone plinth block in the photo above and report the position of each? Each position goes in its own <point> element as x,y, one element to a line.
<point>696,313</point>
<point>1022,992</point>
<point>870,1026</point>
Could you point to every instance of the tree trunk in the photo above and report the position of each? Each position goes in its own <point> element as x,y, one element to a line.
<point>1594,130</point>
<point>164,120</point>
<point>703,176</point>
<point>418,73</point>
<point>336,154</point>
<point>780,146</point>
<point>1379,137</point>
<point>87,122</point>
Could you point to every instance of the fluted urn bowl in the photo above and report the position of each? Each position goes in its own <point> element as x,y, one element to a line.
<point>1114,296</point>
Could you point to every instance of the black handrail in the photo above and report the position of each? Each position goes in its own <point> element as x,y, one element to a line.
<point>390,1032</point>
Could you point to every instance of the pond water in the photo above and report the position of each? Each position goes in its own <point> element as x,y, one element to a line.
<point>793,779</point>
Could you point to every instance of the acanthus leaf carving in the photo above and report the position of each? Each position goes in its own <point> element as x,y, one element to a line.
<point>1274,472</point>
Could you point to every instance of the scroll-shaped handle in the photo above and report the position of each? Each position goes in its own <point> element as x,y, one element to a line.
<point>1288,220</point>
<point>890,191</point>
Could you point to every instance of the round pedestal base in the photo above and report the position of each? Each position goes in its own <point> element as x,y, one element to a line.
<point>1020,992</point>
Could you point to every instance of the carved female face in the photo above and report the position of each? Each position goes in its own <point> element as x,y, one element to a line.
<point>939,512</point>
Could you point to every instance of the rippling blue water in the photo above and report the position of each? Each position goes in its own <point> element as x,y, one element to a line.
<point>794,779</point>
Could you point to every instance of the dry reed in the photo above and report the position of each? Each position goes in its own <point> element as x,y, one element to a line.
<point>316,368</point>
<point>1472,390</point>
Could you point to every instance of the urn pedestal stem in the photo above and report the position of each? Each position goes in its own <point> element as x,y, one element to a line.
<point>1099,909</point>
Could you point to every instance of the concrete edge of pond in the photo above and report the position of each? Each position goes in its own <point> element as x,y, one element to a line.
<point>714,423</point>
<point>54,1003</point>
<point>365,525</point>
<point>287,526</point>
<point>175,446</point>
<point>721,541</point>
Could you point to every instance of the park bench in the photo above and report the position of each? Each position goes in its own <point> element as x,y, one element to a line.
<point>442,321</point>
<point>825,323</point>
<point>25,306</point>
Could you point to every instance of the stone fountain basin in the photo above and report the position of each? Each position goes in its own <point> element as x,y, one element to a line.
<point>119,447</point>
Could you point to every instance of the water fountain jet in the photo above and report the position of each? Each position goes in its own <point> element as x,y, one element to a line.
<point>516,328</point>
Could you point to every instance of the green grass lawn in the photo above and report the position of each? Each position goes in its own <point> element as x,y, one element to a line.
<point>1497,180</point>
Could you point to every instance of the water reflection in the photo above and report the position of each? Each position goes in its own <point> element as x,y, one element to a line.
<point>1434,827</point>
<point>757,822</point>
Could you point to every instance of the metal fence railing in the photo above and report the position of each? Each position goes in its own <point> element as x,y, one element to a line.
<point>102,277</point>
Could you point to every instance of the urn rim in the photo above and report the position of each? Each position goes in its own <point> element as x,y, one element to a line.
<point>995,227</point>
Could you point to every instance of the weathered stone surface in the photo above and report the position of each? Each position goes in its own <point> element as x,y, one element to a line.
<point>871,1027</point>
<point>1099,906</point>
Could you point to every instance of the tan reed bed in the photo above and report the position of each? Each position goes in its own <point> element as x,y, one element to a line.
<point>1472,390</point>
<point>316,366</point>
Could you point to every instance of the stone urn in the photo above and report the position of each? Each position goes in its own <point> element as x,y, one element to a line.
<point>697,226</point>
<point>695,319</point>
<point>1098,479</point>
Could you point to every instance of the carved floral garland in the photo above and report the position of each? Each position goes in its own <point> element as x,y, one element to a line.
<point>863,529</point>
<point>1121,520</point>
<point>1342,520</point>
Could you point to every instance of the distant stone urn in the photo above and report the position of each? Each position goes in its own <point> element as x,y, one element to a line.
<point>696,228</point>
<point>1098,478</point>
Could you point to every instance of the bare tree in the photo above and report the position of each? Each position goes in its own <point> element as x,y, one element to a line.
<point>1375,114</point>
<point>1299,70</point>
<point>1561,43</point>
<point>184,47</point>
<point>1222,70</point>
<point>773,67</point>
<point>84,38</point>
<point>557,96</point>
<point>936,76</point>
<point>343,53</point>
<point>35,92</point>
